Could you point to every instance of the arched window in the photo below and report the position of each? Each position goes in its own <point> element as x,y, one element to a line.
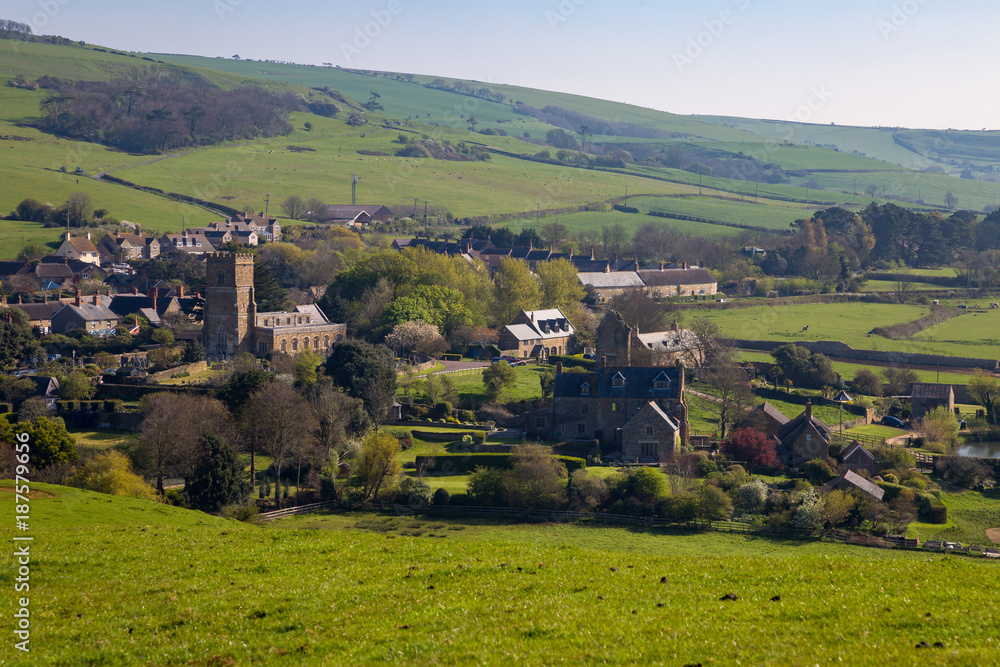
<point>305,343</point>
<point>340,337</point>
<point>282,344</point>
<point>295,344</point>
<point>316,342</point>
<point>326,342</point>
<point>222,339</point>
<point>221,278</point>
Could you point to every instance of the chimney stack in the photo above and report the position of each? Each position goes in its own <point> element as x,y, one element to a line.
<point>604,362</point>
<point>180,291</point>
<point>155,290</point>
<point>135,290</point>
<point>97,300</point>
<point>661,266</point>
<point>685,266</point>
<point>77,300</point>
<point>809,409</point>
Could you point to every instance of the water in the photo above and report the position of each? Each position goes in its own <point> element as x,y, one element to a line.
<point>981,450</point>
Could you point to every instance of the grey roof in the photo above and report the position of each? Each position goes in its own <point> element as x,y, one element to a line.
<point>689,276</point>
<point>639,382</point>
<point>600,279</point>
<point>89,311</point>
<point>770,411</point>
<point>856,480</point>
<point>671,341</point>
<point>39,311</point>
<point>935,391</point>
<point>855,448</point>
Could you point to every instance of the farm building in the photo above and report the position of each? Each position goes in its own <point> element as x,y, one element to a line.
<point>924,397</point>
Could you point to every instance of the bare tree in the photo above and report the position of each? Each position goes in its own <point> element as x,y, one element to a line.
<point>293,206</point>
<point>283,422</point>
<point>731,390</point>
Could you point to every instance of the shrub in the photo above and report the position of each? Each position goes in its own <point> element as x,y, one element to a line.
<point>479,437</point>
<point>964,472</point>
<point>818,471</point>
<point>247,512</point>
<point>441,496</point>
<point>937,514</point>
<point>413,491</point>
<point>443,409</point>
<point>467,416</point>
<point>460,499</point>
<point>111,472</point>
<point>752,496</point>
<point>484,486</point>
<point>706,467</point>
<point>889,477</point>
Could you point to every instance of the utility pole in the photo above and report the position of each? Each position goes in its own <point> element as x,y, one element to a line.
<point>414,207</point>
<point>855,187</point>
<point>425,221</point>
<point>756,190</point>
<point>626,196</point>
<point>699,185</point>
<point>354,189</point>
<point>538,210</point>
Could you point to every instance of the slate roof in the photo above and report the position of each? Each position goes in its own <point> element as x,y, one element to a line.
<point>639,383</point>
<point>89,311</point>
<point>856,448</point>
<point>792,428</point>
<point>610,280</point>
<point>39,311</point>
<point>855,480</point>
<point>663,415</point>
<point>671,341</point>
<point>931,391</point>
<point>689,276</point>
<point>13,268</point>
<point>770,411</point>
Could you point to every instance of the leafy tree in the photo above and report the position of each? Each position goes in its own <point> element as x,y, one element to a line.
<point>894,458</point>
<point>818,471</point>
<point>867,382</point>
<point>163,336</point>
<point>367,372</point>
<point>498,378</point>
<point>560,285</point>
<point>515,289</point>
<point>898,380</point>
<point>51,443</point>
<point>218,479</point>
<point>809,513</point>
<point>419,336</point>
<point>985,390</point>
<point>16,341</point>
<point>752,496</point>
<point>76,386</point>
<point>485,486</point>
<point>111,472</point>
<point>805,369</point>
<point>32,250</point>
<point>838,506</point>
<point>940,427</point>
<point>950,200</point>
<point>964,472</point>
<point>373,102</point>
<point>536,479</point>
<point>713,504</point>
<point>751,446</point>
<point>376,464</point>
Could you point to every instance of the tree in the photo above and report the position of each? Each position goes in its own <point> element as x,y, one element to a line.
<point>940,429</point>
<point>471,122</point>
<point>898,380</point>
<point>78,209</point>
<point>417,336</point>
<point>16,341</point>
<point>376,464</point>
<point>535,479</point>
<point>111,472</point>
<point>498,378</point>
<point>904,288</point>
<point>485,486</point>
<point>731,391</point>
<point>589,493</point>
<point>809,513</point>
<point>817,471</point>
<point>515,289</point>
<point>750,446</point>
<point>640,310</point>
<point>171,431</point>
<point>76,386</point>
<point>804,368</point>
<point>373,102</point>
<point>339,418</point>
<point>554,233</point>
<point>283,422</point>
<point>218,479</point>
<point>713,504</point>
<point>613,237</point>
<point>561,287</point>
<point>752,496</point>
<point>950,200</point>
<point>51,443</point>
<point>985,390</point>
<point>837,506</point>
<point>32,250</point>
<point>237,391</point>
<point>867,382</point>
<point>367,372</point>
<point>964,472</point>
<point>294,207</point>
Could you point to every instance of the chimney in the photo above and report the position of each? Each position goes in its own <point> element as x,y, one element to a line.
<point>154,297</point>
<point>20,299</point>
<point>701,264</point>
<point>67,235</point>
<point>558,368</point>
<point>604,362</point>
<point>674,326</point>
<point>685,266</point>
<point>180,292</point>
<point>809,409</point>
<point>97,300</point>
<point>77,300</point>
<point>661,266</point>
<point>135,290</point>
<point>88,234</point>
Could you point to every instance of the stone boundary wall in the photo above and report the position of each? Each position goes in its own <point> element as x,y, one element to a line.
<point>835,348</point>
<point>196,367</point>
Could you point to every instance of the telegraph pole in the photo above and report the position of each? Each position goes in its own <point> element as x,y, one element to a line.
<point>425,221</point>
<point>354,189</point>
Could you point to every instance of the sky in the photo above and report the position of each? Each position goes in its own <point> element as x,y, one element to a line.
<point>907,63</point>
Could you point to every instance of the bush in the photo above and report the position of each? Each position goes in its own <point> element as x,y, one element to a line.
<point>479,437</point>
<point>706,467</point>
<point>454,464</point>
<point>413,491</point>
<point>889,477</point>
<point>818,471</point>
<point>441,497</point>
<point>443,409</point>
<point>467,416</point>
<point>752,496</point>
<point>247,512</point>
<point>459,499</point>
<point>937,514</point>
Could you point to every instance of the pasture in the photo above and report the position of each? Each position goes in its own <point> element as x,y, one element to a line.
<point>365,589</point>
<point>849,370</point>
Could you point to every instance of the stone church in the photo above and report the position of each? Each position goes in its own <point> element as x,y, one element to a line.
<point>233,326</point>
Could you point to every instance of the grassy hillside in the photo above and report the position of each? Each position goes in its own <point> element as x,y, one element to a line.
<point>364,589</point>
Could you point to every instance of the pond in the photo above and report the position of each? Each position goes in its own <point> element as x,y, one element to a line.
<point>981,450</point>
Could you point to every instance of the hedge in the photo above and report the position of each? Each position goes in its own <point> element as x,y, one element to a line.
<point>6,408</point>
<point>568,361</point>
<point>451,464</point>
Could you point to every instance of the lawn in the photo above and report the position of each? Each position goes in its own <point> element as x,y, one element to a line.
<point>98,440</point>
<point>365,589</point>
<point>970,515</point>
<point>877,431</point>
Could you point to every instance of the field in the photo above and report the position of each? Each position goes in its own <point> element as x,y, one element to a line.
<point>365,589</point>
<point>972,334</point>
<point>849,370</point>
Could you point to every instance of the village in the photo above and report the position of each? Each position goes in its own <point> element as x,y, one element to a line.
<point>466,363</point>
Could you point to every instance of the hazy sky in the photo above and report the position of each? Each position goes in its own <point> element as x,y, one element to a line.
<point>914,63</point>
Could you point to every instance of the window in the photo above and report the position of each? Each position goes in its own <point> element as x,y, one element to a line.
<point>649,430</point>
<point>316,342</point>
<point>585,389</point>
<point>618,380</point>
<point>581,428</point>
<point>282,344</point>
<point>221,339</point>
<point>295,344</point>
<point>326,341</point>
<point>647,449</point>
<point>262,347</point>
<point>220,279</point>
<point>305,343</point>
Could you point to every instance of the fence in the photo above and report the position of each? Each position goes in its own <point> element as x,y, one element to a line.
<point>848,438</point>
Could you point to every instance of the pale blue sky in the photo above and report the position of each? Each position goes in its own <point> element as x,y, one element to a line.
<point>914,63</point>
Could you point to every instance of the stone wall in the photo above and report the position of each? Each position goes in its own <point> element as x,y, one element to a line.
<point>196,367</point>
<point>833,348</point>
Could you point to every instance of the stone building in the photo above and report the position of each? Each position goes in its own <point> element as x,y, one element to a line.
<point>537,334</point>
<point>803,439</point>
<point>79,247</point>
<point>924,397</point>
<point>685,281</point>
<point>619,344</point>
<point>637,411</point>
<point>232,324</point>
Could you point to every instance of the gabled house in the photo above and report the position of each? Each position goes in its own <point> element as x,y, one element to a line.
<point>79,247</point>
<point>40,314</point>
<point>602,405</point>
<point>46,388</point>
<point>118,248</point>
<point>607,285</point>
<point>267,228</point>
<point>352,216</point>
<point>223,232</point>
<point>92,315</point>
<point>191,243</point>
<point>685,281</point>
<point>803,439</point>
<point>79,270</point>
<point>855,457</point>
<point>924,397</point>
<point>537,334</point>
<point>765,418</point>
<point>619,344</point>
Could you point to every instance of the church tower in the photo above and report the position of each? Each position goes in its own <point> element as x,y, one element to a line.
<point>230,309</point>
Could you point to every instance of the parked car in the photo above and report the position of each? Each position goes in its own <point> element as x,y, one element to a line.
<point>722,300</point>
<point>895,422</point>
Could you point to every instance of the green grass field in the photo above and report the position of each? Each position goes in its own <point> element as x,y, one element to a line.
<point>365,589</point>
<point>848,370</point>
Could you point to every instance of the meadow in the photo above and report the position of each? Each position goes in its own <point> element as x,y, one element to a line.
<point>849,370</point>
<point>370,589</point>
